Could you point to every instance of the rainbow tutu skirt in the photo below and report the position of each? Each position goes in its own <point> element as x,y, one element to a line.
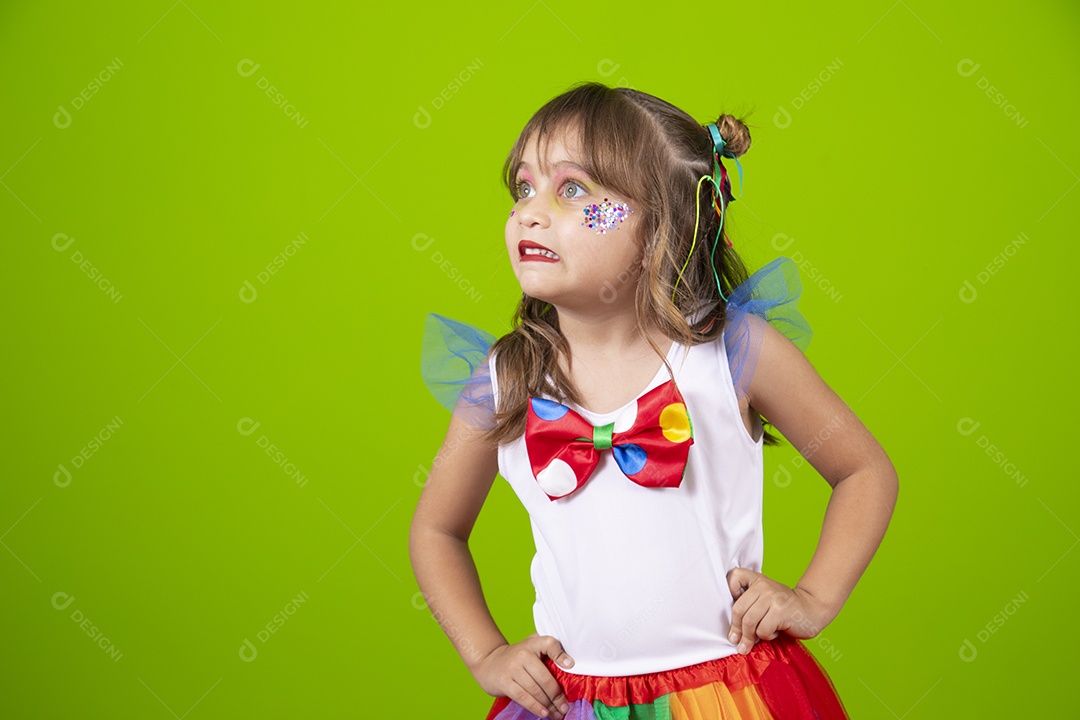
<point>777,680</point>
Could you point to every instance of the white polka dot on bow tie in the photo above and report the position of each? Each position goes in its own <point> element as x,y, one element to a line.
<point>557,478</point>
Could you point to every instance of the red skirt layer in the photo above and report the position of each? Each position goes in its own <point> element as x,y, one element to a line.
<point>781,674</point>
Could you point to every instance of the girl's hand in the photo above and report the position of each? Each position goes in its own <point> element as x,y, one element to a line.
<point>763,608</point>
<point>517,672</point>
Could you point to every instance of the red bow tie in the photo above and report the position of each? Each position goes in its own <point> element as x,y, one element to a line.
<point>564,448</point>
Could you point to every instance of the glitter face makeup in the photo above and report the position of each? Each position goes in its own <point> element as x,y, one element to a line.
<point>605,216</point>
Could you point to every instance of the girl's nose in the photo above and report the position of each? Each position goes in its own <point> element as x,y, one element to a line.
<point>533,213</point>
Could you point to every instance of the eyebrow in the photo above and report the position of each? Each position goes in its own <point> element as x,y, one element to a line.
<point>560,164</point>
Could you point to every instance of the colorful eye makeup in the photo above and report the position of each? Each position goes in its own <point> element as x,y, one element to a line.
<point>605,216</point>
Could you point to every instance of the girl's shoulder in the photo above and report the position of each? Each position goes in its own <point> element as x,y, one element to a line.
<point>742,340</point>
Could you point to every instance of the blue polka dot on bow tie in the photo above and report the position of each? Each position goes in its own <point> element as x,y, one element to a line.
<point>631,458</point>
<point>548,409</point>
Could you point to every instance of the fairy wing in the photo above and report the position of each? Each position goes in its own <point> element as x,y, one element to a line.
<point>771,294</point>
<point>454,365</point>
<point>454,355</point>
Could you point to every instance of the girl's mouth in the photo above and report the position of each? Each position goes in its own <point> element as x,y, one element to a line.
<point>528,251</point>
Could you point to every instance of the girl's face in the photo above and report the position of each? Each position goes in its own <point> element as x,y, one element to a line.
<point>572,242</point>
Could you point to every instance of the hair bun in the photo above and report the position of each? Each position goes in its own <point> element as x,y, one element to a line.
<point>735,134</point>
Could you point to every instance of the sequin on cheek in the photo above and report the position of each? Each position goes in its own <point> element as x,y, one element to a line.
<point>511,213</point>
<point>605,216</point>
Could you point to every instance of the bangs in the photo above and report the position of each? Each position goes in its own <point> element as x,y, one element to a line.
<point>606,134</point>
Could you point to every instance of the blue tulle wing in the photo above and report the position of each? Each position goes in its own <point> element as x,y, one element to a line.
<point>771,294</point>
<point>454,354</point>
<point>453,363</point>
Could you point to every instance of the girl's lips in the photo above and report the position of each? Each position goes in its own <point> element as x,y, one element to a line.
<point>538,253</point>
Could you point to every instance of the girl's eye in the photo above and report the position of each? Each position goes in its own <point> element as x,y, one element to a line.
<point>572,189</point>
<point>570,184</point>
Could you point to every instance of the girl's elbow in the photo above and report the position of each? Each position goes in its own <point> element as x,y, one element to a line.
<point>890,480</point>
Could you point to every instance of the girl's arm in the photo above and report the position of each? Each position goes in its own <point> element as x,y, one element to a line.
<point>789,392</point>
<point>461,477</point>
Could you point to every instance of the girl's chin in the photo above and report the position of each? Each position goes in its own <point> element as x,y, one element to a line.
<point>537,291</point>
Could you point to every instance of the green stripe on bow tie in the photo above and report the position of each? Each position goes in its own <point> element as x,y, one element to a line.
<point>601,436</point>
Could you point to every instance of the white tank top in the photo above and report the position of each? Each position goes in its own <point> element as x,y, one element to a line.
<point>632,579</point>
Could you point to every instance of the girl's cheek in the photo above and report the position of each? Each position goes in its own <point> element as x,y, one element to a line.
<point>571,211</point>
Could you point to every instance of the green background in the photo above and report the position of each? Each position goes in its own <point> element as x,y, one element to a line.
<point>136,579</point>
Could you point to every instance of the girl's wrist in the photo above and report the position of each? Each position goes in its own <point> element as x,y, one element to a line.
<point>477,658</point>
<point>825,609</point>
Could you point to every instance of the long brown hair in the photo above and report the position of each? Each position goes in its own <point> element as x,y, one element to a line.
<point>653,153</point>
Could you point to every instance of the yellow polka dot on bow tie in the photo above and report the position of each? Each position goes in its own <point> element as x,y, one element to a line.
<point>675,423</point>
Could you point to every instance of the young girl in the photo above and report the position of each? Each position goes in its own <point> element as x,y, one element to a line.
<point>625,410</point>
